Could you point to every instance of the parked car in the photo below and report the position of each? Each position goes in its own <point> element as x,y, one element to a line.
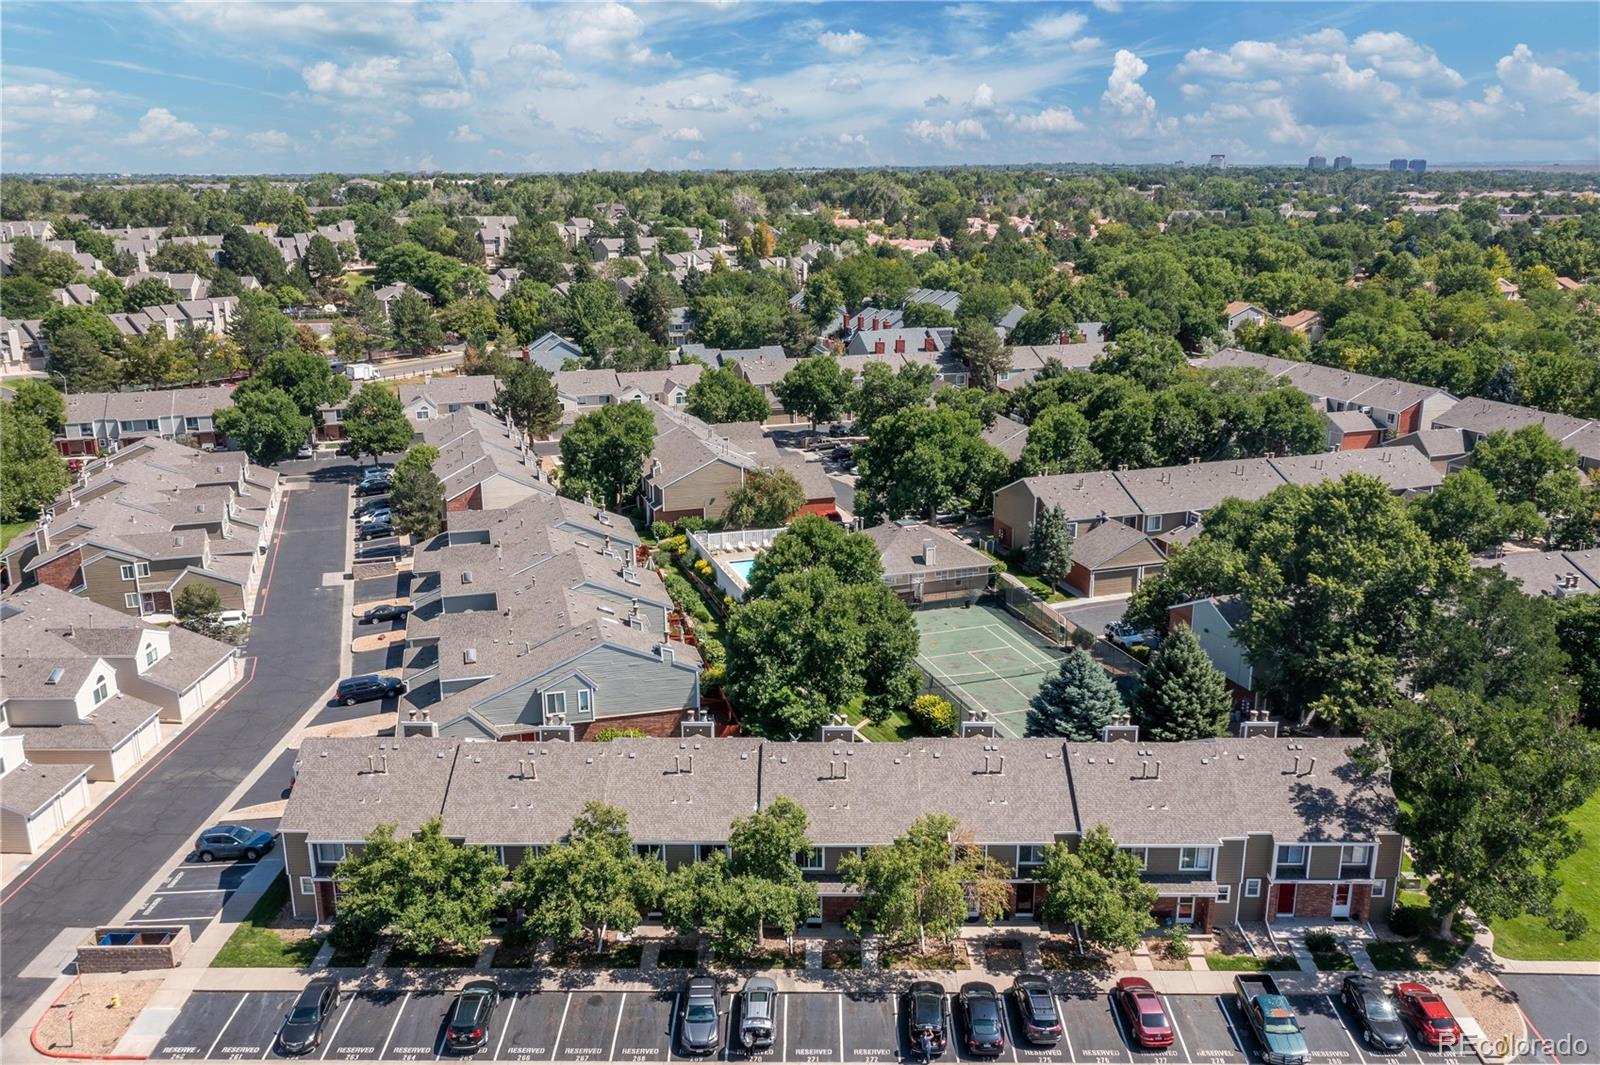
<point>367,687</point>
<point>470,1017</point>
<point>1428,1016</point>
<point>981,1010</point>
<point>1041,1021</point>
<point>233,842</point>
<point>306,451</point>
<point>301,1030</point>
<point>386,612</point>
<point>1269,1017</point>
<point>923,1007</point>
<point>699,1022</point>
<point>1127,637</point>
<point>1375,1012</point>
<point>758,1013</point>
<point>1143,1013</point>
<point>381,515</point>
<point>372,488</point>
<point>374,530</point>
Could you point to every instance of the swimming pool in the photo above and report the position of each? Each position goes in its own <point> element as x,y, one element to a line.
<point>741,567</point>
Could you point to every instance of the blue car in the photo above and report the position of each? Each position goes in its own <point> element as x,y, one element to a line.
<point>233,842</point>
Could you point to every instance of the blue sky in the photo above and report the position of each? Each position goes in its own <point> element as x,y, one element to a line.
<point>249,87</point>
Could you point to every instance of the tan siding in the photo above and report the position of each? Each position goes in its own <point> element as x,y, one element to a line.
<point>708,488</point>
<point>103,584</point>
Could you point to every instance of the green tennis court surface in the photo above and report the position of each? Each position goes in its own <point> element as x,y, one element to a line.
<point>987,659</point>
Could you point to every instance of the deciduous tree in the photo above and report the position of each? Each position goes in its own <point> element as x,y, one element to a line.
<point>527,395</point>
<point>721,395</point>
<point>375,423</point>
<point>603,452</point>
<point>814,541</point>
<point>1098,890</point>
<point>427,891</point>
<point>918,886</point>
<point>767,498</point>
<point>817,388</point>
<point>265,422</point>
<point>32,471</point>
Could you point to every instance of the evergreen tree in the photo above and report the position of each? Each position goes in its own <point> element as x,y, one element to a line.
<point>1077,703</point>
<point>1050,546</point>
<point>527,395</point>
<point>1184,696</point>
<point>417,498</point>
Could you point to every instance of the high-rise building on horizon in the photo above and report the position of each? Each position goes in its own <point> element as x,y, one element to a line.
<point>1317,162</point>
<point>1397,164</point>
<point>1417,166</point>
<point>1219,161</point>
<point>1342,162</point>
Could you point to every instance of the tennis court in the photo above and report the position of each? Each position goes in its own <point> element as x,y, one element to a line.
<point>986,659</point>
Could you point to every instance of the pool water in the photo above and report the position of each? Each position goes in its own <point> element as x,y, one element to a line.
<point>742,568</point>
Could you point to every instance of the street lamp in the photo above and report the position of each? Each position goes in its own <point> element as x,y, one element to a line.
<point>66,386</point>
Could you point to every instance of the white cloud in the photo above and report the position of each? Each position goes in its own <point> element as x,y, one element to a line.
<point>936,100</point>
<point>434,77</point>
<point>635,122</point>
<point>1050,120</point>
<point>1048,29</point>
<point>1110,7</point>
<point>1395,55</point>
<point>1123,91</point>
<point>845,84</point>
<point>697,102</point>
<point>848,43</point>
<point>271,140</point>
<point>687,133</point>
<point>948,134</point>
<point>160,128</point>
<point>743,97</point>
<point>982,99</point>
<point>26,104</point>
<point>464,134</point>
<point>601,29</point>
<point>444,100</point>
<point>857,140</point>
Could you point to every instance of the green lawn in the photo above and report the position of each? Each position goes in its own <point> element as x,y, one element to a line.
<point>1250,963</point>
<point>10,530</point>
<point>1528,938</point>
<point>256,945</point>
<point>896,726</point>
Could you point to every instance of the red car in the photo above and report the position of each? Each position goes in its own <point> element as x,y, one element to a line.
<point>1143,1012</point>
<point>1427,1013</point>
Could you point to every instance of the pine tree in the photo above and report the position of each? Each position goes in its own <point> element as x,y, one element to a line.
<point>1184,697</point>
<point>1077,702</point>
<point>1050,546</point>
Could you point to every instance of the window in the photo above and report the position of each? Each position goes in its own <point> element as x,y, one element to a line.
<point>1379,887</point>
<point>127,574</point>
<point>102,690</point>
<point>702,851</point>
<point>555,703</point>
<point>1252,888</point>
<point>130,570</point>
<point>1291,855</point>
<point>1224,892</point>
<point>585,702</point>
<point>1152,523</point>
<point>131,600</point>
<point>330,853</point>
<point>1030,854</point>
<point>810,859</point>
<point>1194,859</point>
<point>422,414</point>
<point>1139,853</point>
<point>647,850</point>
<point>306,886</point>
<point>191,424</point>
<point>1356,854</point>
<point>151,653</point>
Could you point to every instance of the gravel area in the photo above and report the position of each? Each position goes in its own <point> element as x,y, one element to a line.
<point>97,1026</point>
<point>1493,1007</point>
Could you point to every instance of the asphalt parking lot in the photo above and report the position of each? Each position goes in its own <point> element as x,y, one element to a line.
<point>194,892</point>
<point>639,1026</point>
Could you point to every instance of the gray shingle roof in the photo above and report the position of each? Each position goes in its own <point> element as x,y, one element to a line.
<point>31,786</point>
<point>903,549</point>
<point>1099,545</point>
<point>1550,572</point>
<point>337,798</point>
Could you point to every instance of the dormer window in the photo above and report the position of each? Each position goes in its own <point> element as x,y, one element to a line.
<point>102,690</point>
<point>151,654</point>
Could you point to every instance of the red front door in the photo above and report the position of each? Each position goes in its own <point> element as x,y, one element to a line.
<point>1285,900</point>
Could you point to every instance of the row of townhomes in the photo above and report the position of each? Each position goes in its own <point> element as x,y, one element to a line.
<point>85,692</point>
<point>103,421</point>
<point>1125,521</point>
<point>141,524</point>
<point>1227,830</point>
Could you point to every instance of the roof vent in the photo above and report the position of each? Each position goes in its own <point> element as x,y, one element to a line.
<point>466,576</point>
<point>469,656</point>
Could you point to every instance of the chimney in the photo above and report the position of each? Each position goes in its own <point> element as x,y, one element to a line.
<point>1296,770</point>
<point>41,536</point>
<point>383,763</point>
<point>1312,767</point>
<point>371,764</point>
<point>1158,770</point>
<point>1144,769</point>
<point>927,552</point>
<point>899,345</point>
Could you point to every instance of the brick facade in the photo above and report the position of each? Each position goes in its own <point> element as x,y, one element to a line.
<point>94,958</point>
<point>662,723</point>
<point>472,500</point>
<point>61,573</point>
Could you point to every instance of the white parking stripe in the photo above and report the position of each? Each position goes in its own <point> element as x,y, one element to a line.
<point>1005,1026</point>
<point>1172,1019</point>
<point>616,1029</point>
<point>1072,1055</point>
<point>224,1028</point>
<point>785,1056</point>
<point>840,1000</point>
<point>334,1038</point>
<point>506,1026</point>
<point>1334,1006</point>
<point>1223,1006</point>
<point>393,1025</point>
<point>155,895</point>
<point>556,1048</point>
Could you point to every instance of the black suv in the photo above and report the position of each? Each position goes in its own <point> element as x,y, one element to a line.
<point>301,1030</point>
<point>981,1008</point>
<point>468,1028</point>
<point>924,1011</point>
<point>1041,1023</point>
<point>367,687</point>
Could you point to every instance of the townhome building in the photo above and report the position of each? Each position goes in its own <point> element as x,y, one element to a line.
<point>168,319</point>
<point>925,564</point>
<point>39,229</point>
<point>441,396</point>
<point>88,265</point>
<point>1477,418</point>
<point>1558,574</point>
<point>694,468</point>
<point>101,421</point>
<point>484,462</point>
<point>552,352</point>
<point>1160,500</point>
<point>22,346</point>
<point>1226,830</point>
<point>293,247</point>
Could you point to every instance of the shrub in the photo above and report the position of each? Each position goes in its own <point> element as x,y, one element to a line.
<point>703,568</point>
<point>1175,942</point>
<point>711,649</point>
<point>999,566</point>
<point>606,735</point>
<point>1082,639</point>
<point>690,524</point>
<point>713,677</point>
<point>685,596</point>
<point>934,716</point>
<point>660,529</point>
<point>1322,942</point>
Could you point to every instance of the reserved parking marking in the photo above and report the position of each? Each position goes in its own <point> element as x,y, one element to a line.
<point>1172,1019</point>
<point>236,1007</point>
<point>394,1024</point>
<point>505,1025</point>
<point>334,1038</point>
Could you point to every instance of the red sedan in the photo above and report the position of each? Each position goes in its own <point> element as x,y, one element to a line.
<point>1428,1015</point>
<point>1143,1012</point>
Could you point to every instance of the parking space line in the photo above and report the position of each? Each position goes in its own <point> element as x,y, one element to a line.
<point>506,1027</point>
<point>1005,1026</point>
<point>1072,1055</point>
<point>1116,1020</point>
<point>394,1024</point>
<point>839,1000</point>
<point>1223,1006</point>
<point>236,1007</point>
<point>672,1032</point>
<point>334,1038</point>
<point>1172,1019</point>
<point>785,1055</point>
<point>561,1027</point>
<point>616,1029</point>
<point>1345,1028</point>
<point>189,891</point>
